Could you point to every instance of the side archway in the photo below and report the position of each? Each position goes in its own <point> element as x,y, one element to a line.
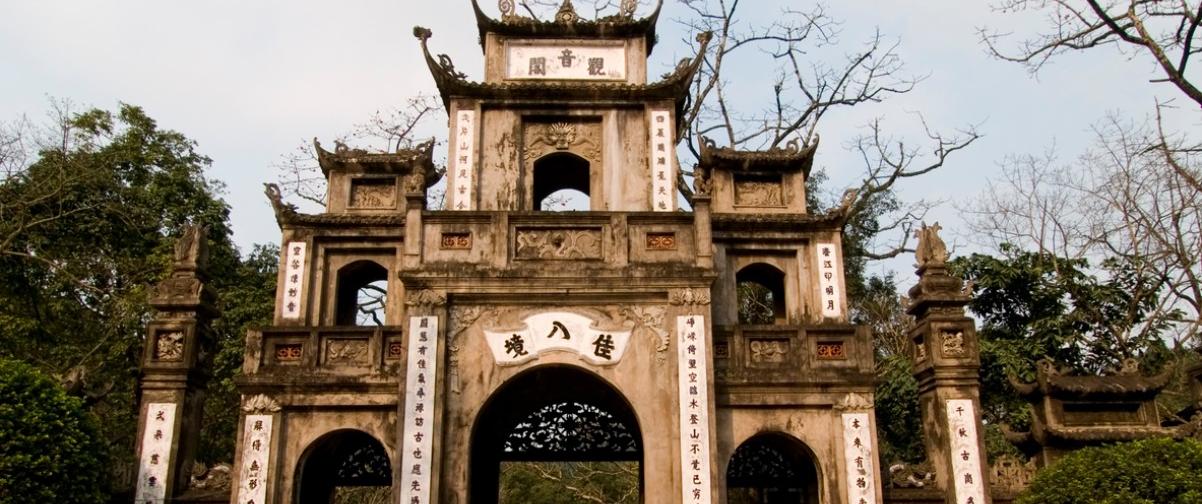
<point>772,468</point>
<point>556,430</point>
<point>340,464</point>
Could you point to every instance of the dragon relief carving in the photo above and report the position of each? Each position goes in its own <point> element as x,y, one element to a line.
<point>346,351</point>
<point>169,346</point>
<point>579,137</point>
<point>558,244</point>
<point>459,320</point>
<point>649,320</point>
<point>952,343</point>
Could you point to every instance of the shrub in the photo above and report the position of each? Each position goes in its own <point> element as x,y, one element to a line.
<point>1150,471</point>
<point>50,449</point>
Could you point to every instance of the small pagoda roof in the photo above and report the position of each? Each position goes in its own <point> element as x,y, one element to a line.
<point>451,83</point>
<point>401,162</point>
<point>1128,384</point>
<point>788,159</point>
<point>568,25</point>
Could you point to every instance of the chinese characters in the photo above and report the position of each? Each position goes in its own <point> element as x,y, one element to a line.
<point>565,61</point>
<point>694,408</point>
<point>256,443</point>
<point>420,390</point>
<point>156,453</point>
<point>294,278</point>
<point>463,161</point>
<point>858,456</point>
<point>828,280</point>
<point>661,157</point>
<point>966,457</point>
<point>565,331</point>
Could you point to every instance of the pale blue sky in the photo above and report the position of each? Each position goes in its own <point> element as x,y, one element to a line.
<point>249,81</point>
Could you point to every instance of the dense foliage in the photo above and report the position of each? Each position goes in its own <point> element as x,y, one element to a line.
<point>1151,471</point>
<point>87,227</point>
<point>49,448</point>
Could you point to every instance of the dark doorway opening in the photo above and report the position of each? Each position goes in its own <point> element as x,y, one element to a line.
<point>772,469</point>
<point>343,467</point>
<point>761,294</point>
<point>556,434</point>
<point>561,182</point>
<point>362,294</point>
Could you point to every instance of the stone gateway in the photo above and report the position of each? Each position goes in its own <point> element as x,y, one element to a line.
<point>701,348</point>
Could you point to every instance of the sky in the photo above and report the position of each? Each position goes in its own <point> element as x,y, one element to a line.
<point>251,81</point>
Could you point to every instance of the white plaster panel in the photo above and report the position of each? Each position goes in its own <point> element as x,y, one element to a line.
<point>694,409</point>
<point>463,161</point>
<point>564,61</point>
<point>157,435</point>
<point>295,257</point>
<point>661,158</point>
<point>420,390</point>
<point>828,280</point>
<point>256,459</point>
<point>965,452</point>
<point>562,331</point>
<point>858,458</point>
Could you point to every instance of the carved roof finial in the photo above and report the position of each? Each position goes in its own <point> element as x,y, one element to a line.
<point>931,251</point>
<point>192,249</point>
<point>567,13</point>
<point>628,7</point>
<point>506,7</point>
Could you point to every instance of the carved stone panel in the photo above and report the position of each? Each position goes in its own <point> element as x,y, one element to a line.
<point>952,343</point>
<point>373,193</point>
<point>661,241</point>
<point>169,346</point>
<point>831,350</point>
<point>758,192</point>
<point>346,352</point>
<point>541,243</point>
<point>770,352</point>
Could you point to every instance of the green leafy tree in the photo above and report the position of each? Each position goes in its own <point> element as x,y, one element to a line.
<point>1033,305</point>
<point>49,448</point>
<point>1150,471</point>
<point>88,218</point>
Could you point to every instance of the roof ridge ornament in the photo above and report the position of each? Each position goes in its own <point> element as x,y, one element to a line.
<point>507,9</point>
<point>567,13</point>
<point>628,7</point>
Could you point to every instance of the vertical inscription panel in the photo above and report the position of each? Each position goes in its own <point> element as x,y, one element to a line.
<point>662,160</point>
<point>157,436</point>
<point>694,409</point>
<point>256,455</point>
<point>420,390</point>
<point>463,161</point>
<point>828,280</point>
<point>295,257</point>
<point>858,457</point>
<point>966,456</point>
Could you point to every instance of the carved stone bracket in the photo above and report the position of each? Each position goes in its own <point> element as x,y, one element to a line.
<point>425,298</point>
<point>853,402</point>
<point>689,297</point>
<point>260,404</point>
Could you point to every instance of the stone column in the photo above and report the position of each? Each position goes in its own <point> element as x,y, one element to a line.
<point>174,371</point>
<point>946,365</point>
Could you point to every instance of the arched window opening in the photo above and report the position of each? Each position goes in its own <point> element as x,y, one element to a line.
<point>556,433</point>
<point>343,467</point>
<point>771,469</point>
<point>362,294</point>
<point>561,182</point>
<point>761,294</point>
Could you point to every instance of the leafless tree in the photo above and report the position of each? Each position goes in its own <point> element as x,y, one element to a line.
<point>385,131</point>
<point>1161,30</point>
<point>802,93</point>
<point>1119,200</point>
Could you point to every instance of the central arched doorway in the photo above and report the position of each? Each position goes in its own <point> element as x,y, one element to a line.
<point>772,468</point>
<point>556,434</point>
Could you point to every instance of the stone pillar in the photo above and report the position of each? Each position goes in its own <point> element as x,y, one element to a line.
<point>946,365</point>
<point>703,230</point>
<point>174,371</point>
<point>415,204</point>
